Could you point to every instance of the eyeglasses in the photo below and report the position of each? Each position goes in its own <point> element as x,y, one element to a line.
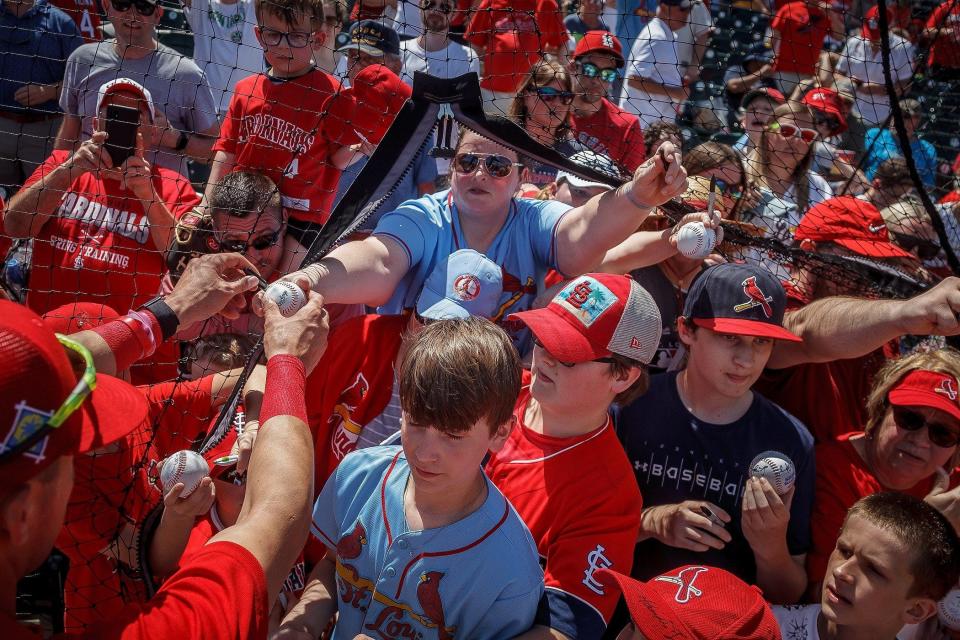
<point>591,70</point>
<point>144,7</point>
<point>791,131</point>
<point>549,94</point>
<point>570,365</point>
<point>939,434</point>
<point>83,389</point>
<point>432,5</point>
<point>926,249</point>
<point>496,166</point>
<point>727,188</point>
<point>295,39</point>
<point>265,241</point>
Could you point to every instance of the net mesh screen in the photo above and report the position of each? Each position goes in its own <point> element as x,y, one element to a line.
<point>826,130</point>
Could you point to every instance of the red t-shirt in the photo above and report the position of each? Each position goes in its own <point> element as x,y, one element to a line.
<point>87,14</point>
<point>350,386</point>
<point>612,132</point>
<point>802,29</point>
<point>945,51</point>
<point>98,247</point>
<point>578,526</point>
<point>842,479</point>
<point>513,34</point>
<point>276,126</point>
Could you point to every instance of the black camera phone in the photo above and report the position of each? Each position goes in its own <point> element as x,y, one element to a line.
<point>121,127</point>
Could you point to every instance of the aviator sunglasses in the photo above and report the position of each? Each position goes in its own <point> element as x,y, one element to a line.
<point>495,165</point>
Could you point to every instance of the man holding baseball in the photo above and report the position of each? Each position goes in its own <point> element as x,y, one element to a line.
<point>693,438</point>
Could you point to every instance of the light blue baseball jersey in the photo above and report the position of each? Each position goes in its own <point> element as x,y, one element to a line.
<point>477,578</point>
<point>525,248</point>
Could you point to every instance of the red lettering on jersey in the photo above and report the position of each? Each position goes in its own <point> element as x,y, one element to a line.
<point>389,625</point>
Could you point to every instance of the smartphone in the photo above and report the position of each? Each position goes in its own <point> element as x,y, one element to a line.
<point>121,127</point>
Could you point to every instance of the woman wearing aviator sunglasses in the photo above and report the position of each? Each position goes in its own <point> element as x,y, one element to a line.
<point>909,444</point>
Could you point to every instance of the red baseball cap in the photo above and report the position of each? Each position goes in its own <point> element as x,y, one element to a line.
<point>871,23</point>
<point>696,603</point>
<point>39,375</point>
<point>853,224</point>
<point>932,389</point>
<point>596,315</point>
<point>368,107</point>
<point>78,316</point>
<point>128,86</point>
<point>600,42</point>
<point>828,101</point>
<point>762,92</point>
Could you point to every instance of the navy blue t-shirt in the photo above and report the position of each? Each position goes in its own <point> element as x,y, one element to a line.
<point>678,457</point>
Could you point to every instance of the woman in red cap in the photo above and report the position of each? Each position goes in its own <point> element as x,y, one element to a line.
<point>909,444</point>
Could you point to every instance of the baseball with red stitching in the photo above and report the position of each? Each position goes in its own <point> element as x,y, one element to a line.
<point>186,466</point>
<point>696,240</point>
<point>777,468</point>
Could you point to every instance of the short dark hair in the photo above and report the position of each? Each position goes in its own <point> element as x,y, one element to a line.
<point>241,193</point>
<point>657,131</point>
<point>290,11</point>
<point>936,558</point>
<point>893,172</point>
<point>620,366</point>
<point>458,372</point>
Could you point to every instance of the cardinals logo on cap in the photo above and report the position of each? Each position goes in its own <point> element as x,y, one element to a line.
<point>26,423</point>
<point>757,298</point>
<point>607,40</point>
<point>586,299</point>
<point>467,287</point>
<point>684,581</point>
<point>946,388</point>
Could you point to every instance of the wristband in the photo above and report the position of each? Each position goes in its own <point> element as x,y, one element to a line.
<point>142,333</point>
<point>628,193</point>
<point>283,394</point>
<point>165,317</point>
<point>122,340</point>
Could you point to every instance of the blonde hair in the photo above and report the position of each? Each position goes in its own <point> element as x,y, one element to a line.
<point>541,74</point>
<point>945,360</point>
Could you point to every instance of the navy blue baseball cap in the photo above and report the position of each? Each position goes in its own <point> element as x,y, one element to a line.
<point>372,38</point>
<point>739,299</point>
<point>466,284</point>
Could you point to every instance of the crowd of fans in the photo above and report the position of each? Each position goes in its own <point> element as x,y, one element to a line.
<point>513,404</point>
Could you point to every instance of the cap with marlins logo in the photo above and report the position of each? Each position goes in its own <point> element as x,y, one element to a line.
<point>739,299</point>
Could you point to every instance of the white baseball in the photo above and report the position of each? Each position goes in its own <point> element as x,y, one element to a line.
<point>288,296</point>
<point>948,610</point>
<point>696,240</point>
<point>777,468</point>
<point>185,466</point>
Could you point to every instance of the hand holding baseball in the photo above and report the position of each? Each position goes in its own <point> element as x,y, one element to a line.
<point>686,525</point>
<point>765,516</point>
<point>192,506</point>
<point>303,334</point>
<point>697,235</point>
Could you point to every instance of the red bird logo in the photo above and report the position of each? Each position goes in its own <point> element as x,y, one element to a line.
<point>946,388</point>
<point>351,544</point>
<point>757,298</point>
<point>428,595</point>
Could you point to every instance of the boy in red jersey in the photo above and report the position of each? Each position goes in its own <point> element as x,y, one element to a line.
<point>276,121</point>
<point>591,347</point>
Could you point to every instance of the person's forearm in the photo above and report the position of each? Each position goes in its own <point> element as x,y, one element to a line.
<point>33,206</point>
<point>361,272</point>
<point>169,541</point>
<point>836,328</point>
<point>652,86</point>
<point>253,392</point>
<point>161,222</point>
<point>318,603</point>
<point>782,579</point>
<point>641,249</point>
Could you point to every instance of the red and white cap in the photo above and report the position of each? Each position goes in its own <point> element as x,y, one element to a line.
<point>37,376</point>
<point>696,603</point>
<point>598,41</point>
<point>126,85</point>
<point>932,389</point>
<point>596,315</point>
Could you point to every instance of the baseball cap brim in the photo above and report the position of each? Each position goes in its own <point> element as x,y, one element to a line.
<point>912,397</point>
<point>650,613</point>
<point>559,337</point>
<point>113,410</point>
<point>873,248</point>
<point>444,309</point>
<point>370,50</point>
<point>741,327</point>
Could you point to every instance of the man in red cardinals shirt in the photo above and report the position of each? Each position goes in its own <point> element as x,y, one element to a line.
<point>601,125</point>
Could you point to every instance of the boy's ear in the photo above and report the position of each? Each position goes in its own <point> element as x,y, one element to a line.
<point>683,331</point>
<point>623,381</point>
<point>501,434</point>
<point>919,610</point>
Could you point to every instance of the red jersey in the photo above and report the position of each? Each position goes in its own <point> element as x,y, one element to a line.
<point>842,479</point>
<point>513,34</point>
<point>87,15</point>
<point>578,526</point>
<point>276,126</point>
<point>351,386</point>
<point>612,132</point>
<point>945,51</point>
<point>97,246</point>
<point>802,30</point>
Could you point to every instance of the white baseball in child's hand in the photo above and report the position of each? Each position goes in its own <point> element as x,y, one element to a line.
<point>696,240</point>
<point>288,296</point>
<point>777,468</point>
<point>186,466</point>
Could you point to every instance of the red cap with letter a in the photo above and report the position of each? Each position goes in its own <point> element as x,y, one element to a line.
<point>596,315</point>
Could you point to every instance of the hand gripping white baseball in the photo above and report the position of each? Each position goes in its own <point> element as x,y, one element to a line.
<point>777,468</point>
<point>696,240</point>
<point>288,296</point>
<point>186,466</point>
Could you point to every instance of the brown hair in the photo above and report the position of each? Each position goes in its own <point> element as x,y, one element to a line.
<point>945,360</point>
<point>458,372</point>
<point>225,350</point>
<point>711,155</point>
<point>920,527</point>
<point>241,193</point>
<point>893,172</point>
<point>620,367</point>
<point>541,74</point>
<point>657,132</point>
<point>290,11</point>
<point>760,157</point>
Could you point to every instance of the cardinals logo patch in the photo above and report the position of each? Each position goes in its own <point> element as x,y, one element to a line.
<point>756,298</point>
<point>586,299</point>
<point>947,388</point>
<point>25,424</point>
<point>685,583</point>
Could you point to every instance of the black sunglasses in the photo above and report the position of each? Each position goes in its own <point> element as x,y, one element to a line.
<point>496,166</point>
<point>144,7</point>
<point>265,241</point>
<point>926,249</point>
<point>570,365</point>
<point>939,434</point>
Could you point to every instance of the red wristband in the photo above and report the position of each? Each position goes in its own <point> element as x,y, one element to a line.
<point>122,341</point>
<point>284,391</point>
